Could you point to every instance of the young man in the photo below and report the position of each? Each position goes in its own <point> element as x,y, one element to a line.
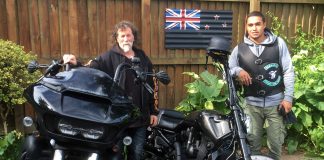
<point>263,65</point>
<point>125,35</point>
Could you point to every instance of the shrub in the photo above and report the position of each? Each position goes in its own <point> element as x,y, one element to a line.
<point>309,93</point>
<point>14,77</point>
<point>308,55</point>
<point>10,145</point>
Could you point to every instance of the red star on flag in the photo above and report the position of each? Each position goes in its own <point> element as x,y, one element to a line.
<point>207,27</point>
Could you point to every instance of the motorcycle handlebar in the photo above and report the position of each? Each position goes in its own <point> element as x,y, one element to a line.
<point>55,66</point>
<point>51,69</point>
<point>140,74</point>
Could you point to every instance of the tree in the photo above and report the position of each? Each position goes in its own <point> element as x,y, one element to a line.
<point>14,77</point>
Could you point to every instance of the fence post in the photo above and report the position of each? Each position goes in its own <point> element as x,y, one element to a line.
<point>146,26</point>
<point>254,5</point>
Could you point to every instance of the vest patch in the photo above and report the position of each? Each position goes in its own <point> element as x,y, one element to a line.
<point>265,70</point>
<point>274,79</point>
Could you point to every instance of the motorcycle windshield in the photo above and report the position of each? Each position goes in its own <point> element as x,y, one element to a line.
<point>84,80</point>
<point>84,93</point>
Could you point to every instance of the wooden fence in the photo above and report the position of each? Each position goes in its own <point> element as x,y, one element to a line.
<point>50,28</point>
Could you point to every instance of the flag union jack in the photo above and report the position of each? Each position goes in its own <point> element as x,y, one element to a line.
<point>182,19</point>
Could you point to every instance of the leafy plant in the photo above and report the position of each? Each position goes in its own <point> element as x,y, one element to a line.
<point>208,91</point>
<point>14,77</point>
<point>309,92</point>
<point>277,27</point>
<point>307,43</point>
<point>308,107</point>
<point>10,145</point>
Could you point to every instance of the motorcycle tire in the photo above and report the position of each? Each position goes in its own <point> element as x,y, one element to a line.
<point>151,154</point>
<point>34,148</point>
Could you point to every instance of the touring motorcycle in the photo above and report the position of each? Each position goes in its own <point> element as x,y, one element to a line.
<point>204,134</point>
<point>80,113</point>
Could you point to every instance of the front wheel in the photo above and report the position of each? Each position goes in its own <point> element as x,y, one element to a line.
<point>163,153</point>
<point>260,157</point>
<point>35,148</point>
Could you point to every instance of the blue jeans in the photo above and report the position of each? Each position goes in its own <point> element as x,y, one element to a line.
<point>137,147</point>
<point>135,150</point>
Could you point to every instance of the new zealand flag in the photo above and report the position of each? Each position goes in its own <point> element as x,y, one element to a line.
<point>182,19</point>
<point>193,28</point>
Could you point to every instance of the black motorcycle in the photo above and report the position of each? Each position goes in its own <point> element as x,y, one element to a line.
<point>80,113</point>
<point>205,134</point>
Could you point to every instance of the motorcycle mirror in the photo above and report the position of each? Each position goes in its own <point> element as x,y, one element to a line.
<point>163,77</point>
<point>32,66</point>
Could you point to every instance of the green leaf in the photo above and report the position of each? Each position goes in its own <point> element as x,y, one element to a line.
<point>318,119</point>
<point>292,145</point>
<point>209,105</point>
<point>192,87</point>
<point>316,99</point>
<point>298,126</point>
<point>302,107</point>
<point>321,67</point>
<point>192,74</point>
<point>297,110</point>
<point>319,88</point>
<point>208,78</point>
<point>11,137</point>
<point>321,106</point>
<point>299,93</point>
<point>317,137</point>
<point>306,119</point>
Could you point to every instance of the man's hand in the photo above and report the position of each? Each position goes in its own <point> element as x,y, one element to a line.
<point>244,78</point>
<point>153,120</point>
<point>88,64</point>
<point>69,58</point>
<point>286,105</point>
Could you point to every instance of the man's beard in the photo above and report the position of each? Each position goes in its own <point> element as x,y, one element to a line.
<point>126,47</point>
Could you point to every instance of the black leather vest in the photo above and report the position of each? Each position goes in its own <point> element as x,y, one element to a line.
<point>265,71</point>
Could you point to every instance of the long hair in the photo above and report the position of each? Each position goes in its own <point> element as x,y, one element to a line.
<point>123,25</point>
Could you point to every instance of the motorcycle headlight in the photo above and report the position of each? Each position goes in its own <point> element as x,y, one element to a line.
<point>66,128</point>
<point>72,130</point>
<point>28,121</point>
<point>92,133</point>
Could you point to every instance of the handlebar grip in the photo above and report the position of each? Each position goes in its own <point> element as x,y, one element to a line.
<point>53,69</point>
<point>67,67</point>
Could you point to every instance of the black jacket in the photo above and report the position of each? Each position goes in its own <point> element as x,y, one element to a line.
<point>108,63</point>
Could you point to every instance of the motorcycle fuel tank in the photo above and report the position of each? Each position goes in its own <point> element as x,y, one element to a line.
<point>215,125</point>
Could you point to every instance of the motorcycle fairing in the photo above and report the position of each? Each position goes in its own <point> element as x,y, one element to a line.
<point>84,80</point>
<point>83,93</point>
<point>83,97</point>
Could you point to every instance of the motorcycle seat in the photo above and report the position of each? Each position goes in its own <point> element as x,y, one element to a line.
<point>169,119</point>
